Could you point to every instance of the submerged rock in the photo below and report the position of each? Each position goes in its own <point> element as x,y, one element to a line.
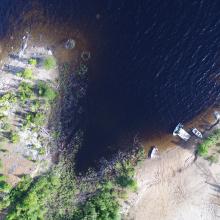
<point>70,44</point>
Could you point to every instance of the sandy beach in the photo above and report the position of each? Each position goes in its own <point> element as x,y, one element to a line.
<point>176,186</point>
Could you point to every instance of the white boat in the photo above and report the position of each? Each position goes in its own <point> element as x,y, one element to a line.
<point>153,153</point>
<point>177,129</point>
<point>197,133</point>
<point>181,132</point>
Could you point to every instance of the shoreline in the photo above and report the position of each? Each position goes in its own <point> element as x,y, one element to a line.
<point>151,174</point>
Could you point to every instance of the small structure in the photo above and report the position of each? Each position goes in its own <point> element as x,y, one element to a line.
<point>181,132</point>
<point>153,152</point>
<point>197,133</point>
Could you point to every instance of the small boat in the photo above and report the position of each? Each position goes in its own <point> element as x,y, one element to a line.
<point>197,133</point>
<point>177,129</point>
<point>153,152</point>
<point>181,132</point>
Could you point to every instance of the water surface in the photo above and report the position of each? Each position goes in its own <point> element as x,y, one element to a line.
<point>154,64</point>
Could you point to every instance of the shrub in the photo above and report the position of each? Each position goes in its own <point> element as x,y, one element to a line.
<point>27,74</point>
<point>35,106</point>
<point>208,142</point>
<point>28,199</point>
<point>202,150</point>
<point>4,186</point>
<point>14,137</point>
<point>49,63</point>
<point>103,205</point>
<point>37,119</point>
<point>42,151</point>
<point>44,90</point>
<point>8,98</point>
<point>25,91</point>
<point>32,61</point>
<point>125,175</point>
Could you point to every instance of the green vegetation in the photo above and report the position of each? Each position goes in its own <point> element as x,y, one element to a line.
<point>35,105</point>
<point>4,186</point>
<point>53,196</point>
<point>59,194</point>
<point>44,90</point>
<point>33,198</point>
<point>25,91</point>
<point>103,205</point>
<point>125,175</point>
<point>49,63</point>
<point>28,199</point>
<point>8,98</point>
<point>32,61</point>
<point>26,74</point>
<point>14,137</point>
<point>35,119</point>
<point>210,141</point>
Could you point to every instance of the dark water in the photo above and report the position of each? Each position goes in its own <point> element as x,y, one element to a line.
<point>154,63</point>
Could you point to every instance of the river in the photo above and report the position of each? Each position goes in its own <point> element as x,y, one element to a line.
<point>153,64</point>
